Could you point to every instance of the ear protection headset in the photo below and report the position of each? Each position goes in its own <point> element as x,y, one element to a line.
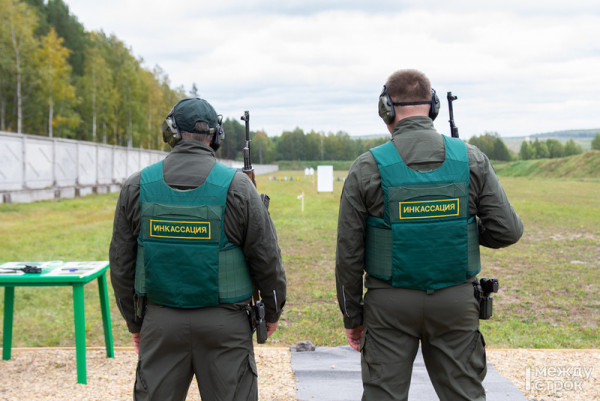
<point>386,106</point>
<point>218,132</point>
<point>171,133</point>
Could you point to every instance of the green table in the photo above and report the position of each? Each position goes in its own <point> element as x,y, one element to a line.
<point>75,274</point>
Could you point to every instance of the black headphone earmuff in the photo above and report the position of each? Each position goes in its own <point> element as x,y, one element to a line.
<point>170,131</point>
<point>388,113</point>
<point>219,134</point>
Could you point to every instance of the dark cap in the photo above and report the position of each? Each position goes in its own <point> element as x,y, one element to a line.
<point>188,112</point>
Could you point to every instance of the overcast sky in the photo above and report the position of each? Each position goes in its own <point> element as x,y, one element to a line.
<point>518,67</point>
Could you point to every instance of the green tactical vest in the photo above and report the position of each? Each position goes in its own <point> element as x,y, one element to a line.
<point>427,240</point>
<point>184,259</point>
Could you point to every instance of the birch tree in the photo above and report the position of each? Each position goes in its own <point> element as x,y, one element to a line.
<point>55,77</point>
<point>95,89</point>
<point>18,23</point>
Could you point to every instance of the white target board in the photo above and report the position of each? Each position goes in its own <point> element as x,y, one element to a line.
<point>324,178</point>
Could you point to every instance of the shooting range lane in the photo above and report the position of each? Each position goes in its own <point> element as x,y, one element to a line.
<point>333,374</point>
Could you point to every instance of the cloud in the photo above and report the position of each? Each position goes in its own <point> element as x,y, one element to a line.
<point>517,67</point>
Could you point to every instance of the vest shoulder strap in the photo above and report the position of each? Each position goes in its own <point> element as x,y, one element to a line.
<point>153,172</point>
<point>456,149</point>
<point>386,154</point>
<point>218,181</point>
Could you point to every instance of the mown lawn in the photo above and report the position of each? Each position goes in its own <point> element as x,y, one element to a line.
<point>549,296</point>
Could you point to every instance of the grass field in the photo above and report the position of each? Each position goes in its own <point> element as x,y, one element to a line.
<point>550,280</point>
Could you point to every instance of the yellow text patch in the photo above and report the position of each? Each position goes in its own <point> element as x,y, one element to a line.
<point>429,209</point>
<point>193,230</point>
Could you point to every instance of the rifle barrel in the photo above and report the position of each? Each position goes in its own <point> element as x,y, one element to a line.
<point>247,158</point>
<point>453,127</point>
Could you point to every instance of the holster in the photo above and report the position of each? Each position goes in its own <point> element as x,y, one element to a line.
<point>256,318</point>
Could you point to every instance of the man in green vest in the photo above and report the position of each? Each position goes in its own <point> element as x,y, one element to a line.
<point>413,213</point>
<point>191,239</point>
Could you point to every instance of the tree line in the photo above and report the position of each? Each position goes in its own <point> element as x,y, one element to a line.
<point>58,80</point>
<point>293,145</point>
<point>494,147</point>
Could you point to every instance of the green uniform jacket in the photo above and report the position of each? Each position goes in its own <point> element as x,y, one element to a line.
<point>421,148</point>
<point>247,224</point>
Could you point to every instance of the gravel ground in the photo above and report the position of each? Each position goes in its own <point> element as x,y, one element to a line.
<point>549,375</point>
<point>51,374</point>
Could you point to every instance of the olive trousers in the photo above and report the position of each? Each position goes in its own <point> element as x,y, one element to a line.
<point>446,323</point>
<point>215,344</point>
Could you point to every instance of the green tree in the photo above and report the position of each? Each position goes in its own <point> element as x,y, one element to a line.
<point>56,14</point>
<point>571,148</point>
<point>235,138</point>
<point>485,143</point>
<point>363,146</point>
<point>555,148</point>
<point>492,145</point>
<point>127,103</point>
<point>291,145</point>
<point>71,30</point>
<point>6,83</point>
<point>55,78</point>
<point>331,147</point>
<point>95,88</point>
<point>18,21</point>
<point>262,148</point>
<point>169,98</point>
<point>501,151</point>
<point>596,142</point>
<point>312,146</point>
<point>527,152</point>
<point>346,146</point>
<point>114,97</point>
<point>541,150</point>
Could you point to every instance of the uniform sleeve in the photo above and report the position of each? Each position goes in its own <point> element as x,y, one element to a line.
<point>249,225</point>
<point>350,250</point>
<point>499,224</point>
<point>123,251</point>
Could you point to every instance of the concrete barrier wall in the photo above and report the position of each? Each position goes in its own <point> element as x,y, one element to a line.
<point>35,168</point>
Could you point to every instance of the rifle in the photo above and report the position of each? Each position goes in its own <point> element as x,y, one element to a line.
<point>453,127</point>
<point>248,169</point>
<point>257,309</point>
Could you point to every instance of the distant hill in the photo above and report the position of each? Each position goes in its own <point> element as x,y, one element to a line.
<point>582,137</point>
<point>582,166</point>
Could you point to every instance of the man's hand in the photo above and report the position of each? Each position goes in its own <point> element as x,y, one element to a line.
<point>271,327</point>
<point>354,336</point>
<point>136,342</point>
